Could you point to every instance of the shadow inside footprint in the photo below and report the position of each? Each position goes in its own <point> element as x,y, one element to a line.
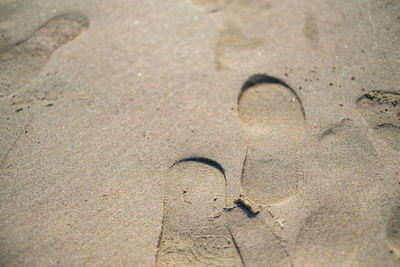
<point>195,230</point>
<point>23,61</point>
<point>381,110</point>
<point>273,118</point>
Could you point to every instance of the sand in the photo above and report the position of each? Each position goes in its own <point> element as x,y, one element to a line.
<point>199,133</point>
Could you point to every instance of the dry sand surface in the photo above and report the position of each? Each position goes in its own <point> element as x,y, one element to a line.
<point>199,133</point>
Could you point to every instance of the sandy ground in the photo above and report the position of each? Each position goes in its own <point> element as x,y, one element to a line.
<point>198,132</point>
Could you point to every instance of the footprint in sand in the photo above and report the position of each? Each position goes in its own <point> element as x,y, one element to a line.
<point>23,61</point>
<point>243,28</point>
<point>348,166</point>
<point>381,110</point>
<point>274,122</point>
<point>194,230</point>
<point>327,238</point>
<point>348,155</point>
<point>273,119</point>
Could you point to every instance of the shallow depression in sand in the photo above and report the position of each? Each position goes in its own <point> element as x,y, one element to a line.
<point>273,119</point>
<point>23,61</point>
<point>195,230</point>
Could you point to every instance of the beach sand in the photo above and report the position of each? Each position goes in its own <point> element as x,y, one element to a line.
<point>199,133</point>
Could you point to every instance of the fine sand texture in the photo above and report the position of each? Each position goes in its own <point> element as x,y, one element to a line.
<point>199,133</point>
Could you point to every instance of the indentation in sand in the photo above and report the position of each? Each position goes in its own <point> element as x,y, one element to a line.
<point>273,119</point>
<point>274,122</point>
<point>347,154</point>
<point>381,110</point>
<point>243,28</point>
<point>195,231</point>
<point>327,238</point>
<point>348,163</point>
<point>23,61</point>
